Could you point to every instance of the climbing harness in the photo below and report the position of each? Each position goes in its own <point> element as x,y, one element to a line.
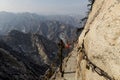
<point>94,68</point>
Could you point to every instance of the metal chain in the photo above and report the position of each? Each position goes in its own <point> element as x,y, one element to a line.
<point>94,68</point>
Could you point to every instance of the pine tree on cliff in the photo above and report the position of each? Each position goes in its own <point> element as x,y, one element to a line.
<point>91,2</point>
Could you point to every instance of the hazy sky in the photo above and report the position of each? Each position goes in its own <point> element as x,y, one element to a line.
<point>45,6</point>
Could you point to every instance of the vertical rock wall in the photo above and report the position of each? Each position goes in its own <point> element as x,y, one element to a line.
<point>102,42</point>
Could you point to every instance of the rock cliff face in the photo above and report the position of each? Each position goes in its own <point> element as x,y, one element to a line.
<point>102,41</point>
<point>98,50</point>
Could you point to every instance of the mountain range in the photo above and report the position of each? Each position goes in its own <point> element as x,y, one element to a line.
<point>48,26</point>
<point>29,44</point>
<point>26,55</point>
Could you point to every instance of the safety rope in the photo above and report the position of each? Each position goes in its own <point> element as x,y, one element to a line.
<point>89,64</point>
